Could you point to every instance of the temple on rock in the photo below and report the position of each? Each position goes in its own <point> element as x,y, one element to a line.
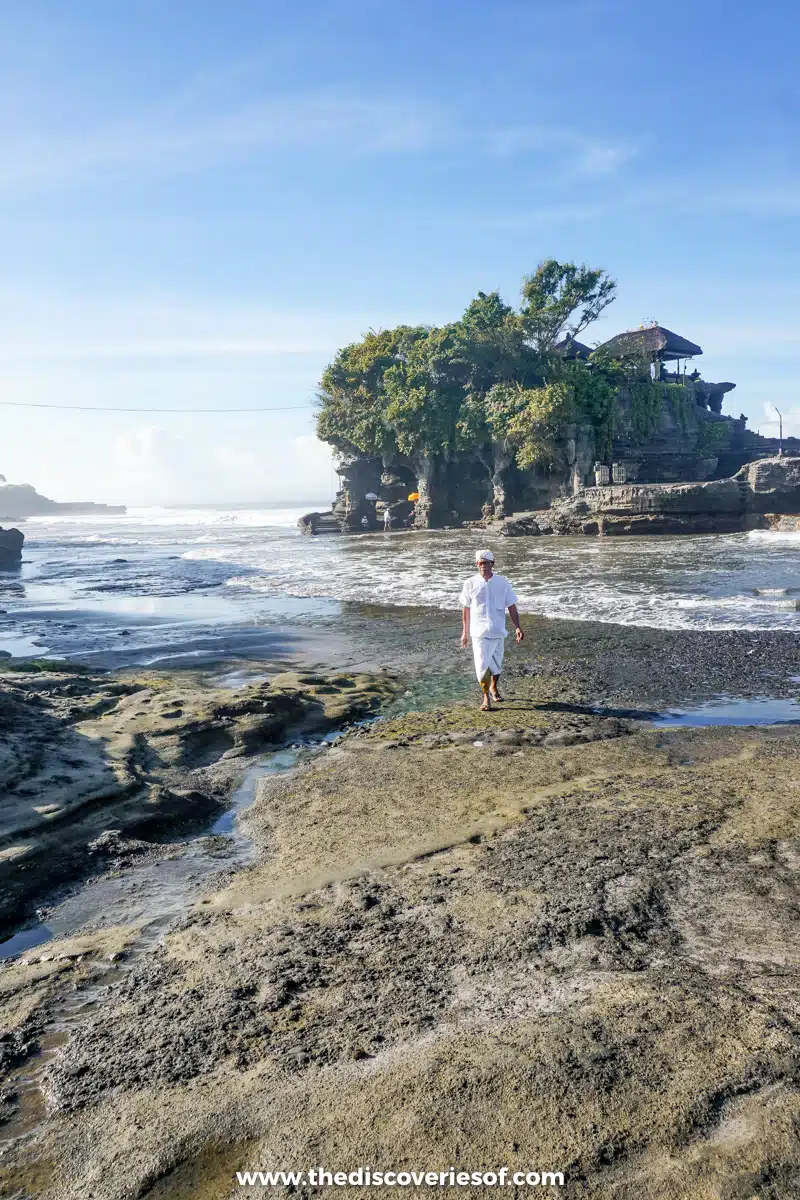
<point>652,342</point>
<point>658,346</point>
<point>671,433</point>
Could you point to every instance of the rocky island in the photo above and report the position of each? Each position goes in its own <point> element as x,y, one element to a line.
<point>763,495</point>
<point>505,412</point>
<point>21,500</point>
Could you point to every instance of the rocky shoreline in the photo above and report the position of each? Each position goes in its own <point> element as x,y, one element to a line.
<point>142,755</point>
<point>556,937</point>
<point>764,494</point>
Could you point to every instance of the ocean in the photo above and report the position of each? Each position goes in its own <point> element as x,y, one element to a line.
<point>161,582</point>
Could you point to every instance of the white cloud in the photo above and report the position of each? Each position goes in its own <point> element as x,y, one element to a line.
<point>770,422</point>
<point>185,133</point>
<point>63,328</point>
<point>311,456</point>
<point>580,154</point>
<point>176,141</point>
<point>149,464</point>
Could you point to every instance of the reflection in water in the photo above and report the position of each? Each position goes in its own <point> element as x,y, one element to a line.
<point>728,710</point>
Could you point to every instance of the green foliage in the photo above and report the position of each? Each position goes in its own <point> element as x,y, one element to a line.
<point>647,402</point>
<point>596,401</point>
<point>712,437</point>
<point>682,402</point>
<point>491,376</point>
<point>560,299</point>
<point>533,419</point>
<point>352,393</point>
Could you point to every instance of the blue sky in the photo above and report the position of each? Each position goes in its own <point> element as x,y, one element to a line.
<point>200,202</point>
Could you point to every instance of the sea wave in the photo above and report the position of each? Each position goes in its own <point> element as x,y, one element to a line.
<point>607,604</point>
<point>269,517</point>
<point>767,536</point>
<point>248,556</point>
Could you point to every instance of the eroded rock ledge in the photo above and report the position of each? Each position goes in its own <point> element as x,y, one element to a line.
<point>83,755</point>
<point>762,495</point>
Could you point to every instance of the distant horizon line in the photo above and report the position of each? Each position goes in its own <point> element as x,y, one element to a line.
<point>253,504</point>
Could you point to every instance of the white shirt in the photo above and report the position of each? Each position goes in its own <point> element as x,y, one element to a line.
<point>487,600</point>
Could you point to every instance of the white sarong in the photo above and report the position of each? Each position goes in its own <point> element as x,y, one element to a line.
<point>488,656</point>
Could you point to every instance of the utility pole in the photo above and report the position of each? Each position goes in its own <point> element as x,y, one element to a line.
<point>780,430</point>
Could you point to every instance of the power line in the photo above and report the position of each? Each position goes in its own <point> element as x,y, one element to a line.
<point>101,408</point>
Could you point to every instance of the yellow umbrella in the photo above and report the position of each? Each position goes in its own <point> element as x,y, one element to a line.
<point>414,496</point>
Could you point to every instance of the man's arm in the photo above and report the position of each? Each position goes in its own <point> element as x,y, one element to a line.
<point>512,612</point>
<point>464,626</point>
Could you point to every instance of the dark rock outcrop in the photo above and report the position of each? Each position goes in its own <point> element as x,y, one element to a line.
<point>11,541</point>
<point>317,522</point>
<point>526,525</point>
<point>20,500</point>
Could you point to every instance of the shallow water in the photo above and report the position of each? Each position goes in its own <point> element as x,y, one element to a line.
<point>153,893</point>
<point>159,583</point>
<point>730,710</point>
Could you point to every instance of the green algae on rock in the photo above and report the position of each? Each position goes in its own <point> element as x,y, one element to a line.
<point>84,753</point>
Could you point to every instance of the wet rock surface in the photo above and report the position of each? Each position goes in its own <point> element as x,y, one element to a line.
<point>552,936</point>
<point>88,756</point>
<point>11,542</point>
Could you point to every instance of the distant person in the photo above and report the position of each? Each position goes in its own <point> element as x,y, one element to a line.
<point>365,522</point>
<point>484,599</point>
<point>387,520</point>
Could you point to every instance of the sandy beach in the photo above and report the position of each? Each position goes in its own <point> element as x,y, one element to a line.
<point>561,937</point>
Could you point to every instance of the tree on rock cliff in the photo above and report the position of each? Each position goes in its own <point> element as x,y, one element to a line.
<point>561,299</point>
<point>352,392</point>
<point>492,376</point>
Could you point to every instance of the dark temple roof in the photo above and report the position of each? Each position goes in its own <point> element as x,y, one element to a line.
<point>570,347</point>
<point>654,341</point>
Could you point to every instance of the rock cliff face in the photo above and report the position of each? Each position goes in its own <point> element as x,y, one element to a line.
<point>683,440</point>
<point>773,485</point>
<point>756,497</point>
<point>11,541</point>
<point>452,488</point>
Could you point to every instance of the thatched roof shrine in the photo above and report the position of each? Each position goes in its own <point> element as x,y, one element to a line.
<point>571,348</point>
<point>654,342</point>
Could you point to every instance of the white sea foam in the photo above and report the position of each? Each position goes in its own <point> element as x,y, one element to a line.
<point>268,517</point>
<point>767,536</point>
<point>734,581</point>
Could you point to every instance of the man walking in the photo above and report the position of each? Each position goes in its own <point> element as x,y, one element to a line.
<point>484,599</point>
